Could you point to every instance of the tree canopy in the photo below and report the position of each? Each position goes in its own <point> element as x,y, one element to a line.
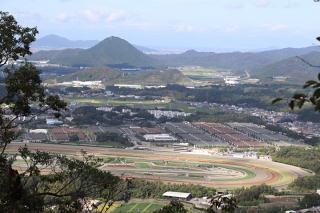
<point>47,182</point>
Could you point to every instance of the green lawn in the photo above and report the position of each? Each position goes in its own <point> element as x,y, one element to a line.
<point>145,207</point>
<point>144,165</point>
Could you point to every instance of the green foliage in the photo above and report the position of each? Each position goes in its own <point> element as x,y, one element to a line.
<point>299,156</point>
<point>246,95</point>
<point>74,138</point>
<point>308,114</point>
<point>254,194</point>
<point>310,200</point>
<point>305,158</point>
<point>143,189</point>
<point>288,132</point>
<point>69,182</point>
<point>174,206</point>
<point>15,40</point>
<point>89,115</point>
<point>224,117</point>
<point>113,137</point>
<point>223,203</point>
<point>306,184</point>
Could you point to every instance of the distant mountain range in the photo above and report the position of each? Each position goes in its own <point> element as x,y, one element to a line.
<point>56,42</point>
<point>233,60</point>
<point>111,51</point>
<point>294,68</point>
<point>110,76</point>
<point>116,52</point>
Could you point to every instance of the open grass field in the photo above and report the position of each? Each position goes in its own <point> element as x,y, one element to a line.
<point>133,207</point>
<point>202,73</point>
<point>216,171</point>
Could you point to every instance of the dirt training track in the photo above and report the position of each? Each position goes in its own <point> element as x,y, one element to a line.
<point>272,173</point>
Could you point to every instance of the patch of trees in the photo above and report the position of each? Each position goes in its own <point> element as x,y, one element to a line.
<point>224,117</point>
<point>287,132</point>
<point>309,115</point>
<point>314,141</point>
<point>143,189</point>
<point>89,115</point>
<point>305,184</point>
<point>253,195</point>
<point>310,200</point>
<point>112,137</point>
<point>77,89</point>
<point>305,158</point>
<point>248,95</point>
<point>299,156</point>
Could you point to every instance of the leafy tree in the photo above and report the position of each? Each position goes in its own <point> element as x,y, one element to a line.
<point>223,203</point>
<point>68,183</point>
<point>174,206</point>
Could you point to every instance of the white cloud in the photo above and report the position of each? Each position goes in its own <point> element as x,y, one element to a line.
<point>184,28</point>
<point>117,16</point>
<point>290,4</point>
<point>275,27</point>
<point>93,15</point>
<point>232,28</point>
<point>188,28</point>
<point>64,17</point>
<point>235,5</point>
<point>263,3</point>
<point>99,15</point>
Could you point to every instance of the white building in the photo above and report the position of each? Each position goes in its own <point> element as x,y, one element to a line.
<point>53,122</point>
<point>90,84</point>
<point>169,114</point>
<point>38,131</point>
<point>231,80</point>
<point>177,195</point>
<point>105,109</point>
<point>159,137</point>
<point>133,86</point>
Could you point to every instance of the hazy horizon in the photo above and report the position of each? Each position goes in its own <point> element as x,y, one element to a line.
<point>205,25</point>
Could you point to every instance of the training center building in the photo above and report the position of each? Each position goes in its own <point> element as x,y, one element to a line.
<point>177,195</point>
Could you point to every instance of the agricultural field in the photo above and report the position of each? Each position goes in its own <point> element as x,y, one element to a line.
<point>202,73</point>
<point>144,207</point>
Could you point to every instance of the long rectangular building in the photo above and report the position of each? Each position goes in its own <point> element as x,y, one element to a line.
<point>177,195</point>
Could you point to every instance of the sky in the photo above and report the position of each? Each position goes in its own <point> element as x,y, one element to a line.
<point>207,25</point>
